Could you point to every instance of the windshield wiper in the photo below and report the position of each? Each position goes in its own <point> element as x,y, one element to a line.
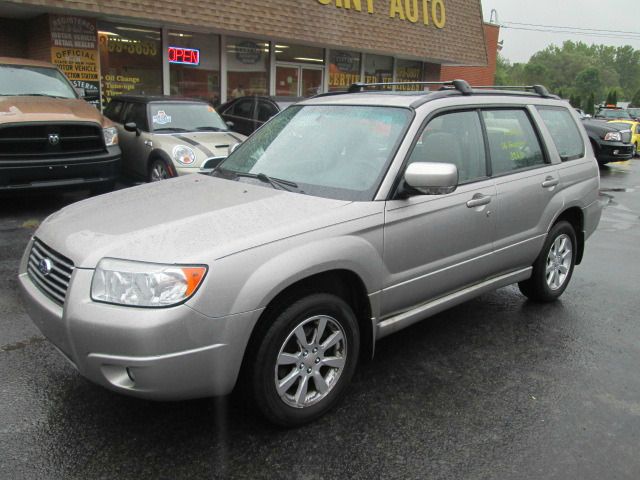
<point>212,129</point>
<point>173,129</point>
<point>276,183</point>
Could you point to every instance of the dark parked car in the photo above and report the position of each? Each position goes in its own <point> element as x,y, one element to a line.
<point>247,114</point>
<point>610,142</point>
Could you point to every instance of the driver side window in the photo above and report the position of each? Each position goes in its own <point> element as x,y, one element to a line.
<point>454,138</point>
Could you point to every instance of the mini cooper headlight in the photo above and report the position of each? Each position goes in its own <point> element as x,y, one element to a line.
<point>140,284</point>
<point>184,155</point>
<point>613,136</point>
<point>110,136</point>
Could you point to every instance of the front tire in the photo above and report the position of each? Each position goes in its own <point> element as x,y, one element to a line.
<point>306,359</point>
<point>553,268</point>
<point>160,170</point>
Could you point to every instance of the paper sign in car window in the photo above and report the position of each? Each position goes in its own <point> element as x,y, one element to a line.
<point>161,118</point>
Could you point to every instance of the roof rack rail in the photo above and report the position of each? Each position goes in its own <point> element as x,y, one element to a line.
<point>538,89</point>
<point>461,85</point>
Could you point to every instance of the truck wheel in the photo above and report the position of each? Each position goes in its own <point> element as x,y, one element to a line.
<point>553,268</point>
<point>635,150</point>
<point>306,360</point>
<point>160,170</point>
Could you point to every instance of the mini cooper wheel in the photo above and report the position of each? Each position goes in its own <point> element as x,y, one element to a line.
<point>159,170</point>
<point>306,360</point>
<point>553,268</point>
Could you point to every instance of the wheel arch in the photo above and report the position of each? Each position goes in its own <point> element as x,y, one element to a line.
<point>343,283</point>
<point>575,217</point>
<point>158,153</point>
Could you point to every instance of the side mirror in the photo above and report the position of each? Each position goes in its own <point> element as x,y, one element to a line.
<point>230,124</point>
<point>234,147</point>
<point>132,127</point>
<point>431,178</point>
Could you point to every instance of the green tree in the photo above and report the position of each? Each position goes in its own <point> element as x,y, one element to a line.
<point>589,106</point>
<point>635,101</point>
<point>588,81</point>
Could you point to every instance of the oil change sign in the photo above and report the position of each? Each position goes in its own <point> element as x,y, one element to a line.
<point>74,50</point>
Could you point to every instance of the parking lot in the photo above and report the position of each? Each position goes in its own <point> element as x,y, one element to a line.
<point>498,387</point>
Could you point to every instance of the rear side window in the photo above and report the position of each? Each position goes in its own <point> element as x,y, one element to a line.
<point>513,142</point>
<point>564,131</point>
<point>454,138</point>
<point>242,108</point>
<point>266,111</point>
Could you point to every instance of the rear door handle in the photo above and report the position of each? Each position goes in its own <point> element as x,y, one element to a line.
<point>550,182</point>
<point>478,200</point>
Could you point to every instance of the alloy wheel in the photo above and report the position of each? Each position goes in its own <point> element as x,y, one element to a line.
<point>559,261</point>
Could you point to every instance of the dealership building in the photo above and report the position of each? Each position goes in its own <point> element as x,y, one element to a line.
<point>219,49</point>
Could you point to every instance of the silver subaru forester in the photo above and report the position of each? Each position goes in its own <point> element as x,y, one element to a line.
<point>345,218</point>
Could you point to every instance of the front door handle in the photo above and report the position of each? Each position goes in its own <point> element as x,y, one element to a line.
<point>550,182</point>
<point>478,200</point>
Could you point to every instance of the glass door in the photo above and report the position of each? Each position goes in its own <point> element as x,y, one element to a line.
<point>298,80</point>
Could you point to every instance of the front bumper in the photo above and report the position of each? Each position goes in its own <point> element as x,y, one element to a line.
<point>171,353</point>
<point>614,152</point>
<point>21,174</point>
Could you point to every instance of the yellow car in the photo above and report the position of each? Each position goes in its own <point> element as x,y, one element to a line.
<point>635,133</point>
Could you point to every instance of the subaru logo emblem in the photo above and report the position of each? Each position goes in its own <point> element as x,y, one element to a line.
<point>54,139</point>
<point>45,266</point>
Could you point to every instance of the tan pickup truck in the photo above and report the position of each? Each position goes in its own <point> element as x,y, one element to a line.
<point>49,136</point>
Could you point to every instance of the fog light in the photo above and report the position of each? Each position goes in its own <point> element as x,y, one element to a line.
<point>616,152</point>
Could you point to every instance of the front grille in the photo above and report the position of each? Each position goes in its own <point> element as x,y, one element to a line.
<point>50,140</point>
<point>55,283</point>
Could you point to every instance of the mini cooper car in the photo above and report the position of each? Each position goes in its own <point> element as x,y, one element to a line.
<point>163,137</point>
<point>345,218</point>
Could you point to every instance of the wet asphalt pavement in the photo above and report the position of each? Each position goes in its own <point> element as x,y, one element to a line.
<point>497,388</point>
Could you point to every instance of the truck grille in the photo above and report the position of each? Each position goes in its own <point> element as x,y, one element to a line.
<point>50,140</point>
<point>55,283</point>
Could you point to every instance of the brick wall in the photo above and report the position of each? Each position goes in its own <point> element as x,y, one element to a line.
<point>308,21</point>
<point>39,39</point>
<point>13,38</point>
<point>478,75</point>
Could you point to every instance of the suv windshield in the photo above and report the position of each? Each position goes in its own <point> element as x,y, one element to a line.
<point>41,81</point>
<point>614,114</point>
<point>339,152</point>
<point>185,117</point>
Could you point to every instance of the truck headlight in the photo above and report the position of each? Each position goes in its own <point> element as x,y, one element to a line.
<point>140,284</point>
<point>110,136</point>
<point>613,137</point>
<point>184,155</point>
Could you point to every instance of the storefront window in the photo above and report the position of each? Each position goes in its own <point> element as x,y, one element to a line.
<point>194,65</point>
<point>247,67</point>
<point>299,54</point>
<point>344,69</point>
<point>130,60</point>
<point>378,69</point>
<point>408,71</point>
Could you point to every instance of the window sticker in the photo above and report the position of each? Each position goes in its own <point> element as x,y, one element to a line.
<point>161,118</point>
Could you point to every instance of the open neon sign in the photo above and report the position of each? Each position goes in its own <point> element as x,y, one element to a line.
<point>184,56</point>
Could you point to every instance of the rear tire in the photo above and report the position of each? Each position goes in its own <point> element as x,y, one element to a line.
<point>305,361</point>
<point>553,268</point>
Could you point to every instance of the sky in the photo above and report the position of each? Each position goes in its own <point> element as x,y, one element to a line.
<point>615,16</point>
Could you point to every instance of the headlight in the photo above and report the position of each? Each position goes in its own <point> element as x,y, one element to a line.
<point>613,136</point>
<point>184,155</point>
<point>140,284</point>
<point>110,136</point>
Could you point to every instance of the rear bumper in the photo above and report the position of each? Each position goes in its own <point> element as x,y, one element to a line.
<point>22,174</point>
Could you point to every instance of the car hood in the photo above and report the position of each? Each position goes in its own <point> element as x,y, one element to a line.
<point>190,219</point>
<point>15,109</point>
<point>209,144</point>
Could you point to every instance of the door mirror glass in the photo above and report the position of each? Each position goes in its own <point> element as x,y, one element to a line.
<point>432,178</point>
